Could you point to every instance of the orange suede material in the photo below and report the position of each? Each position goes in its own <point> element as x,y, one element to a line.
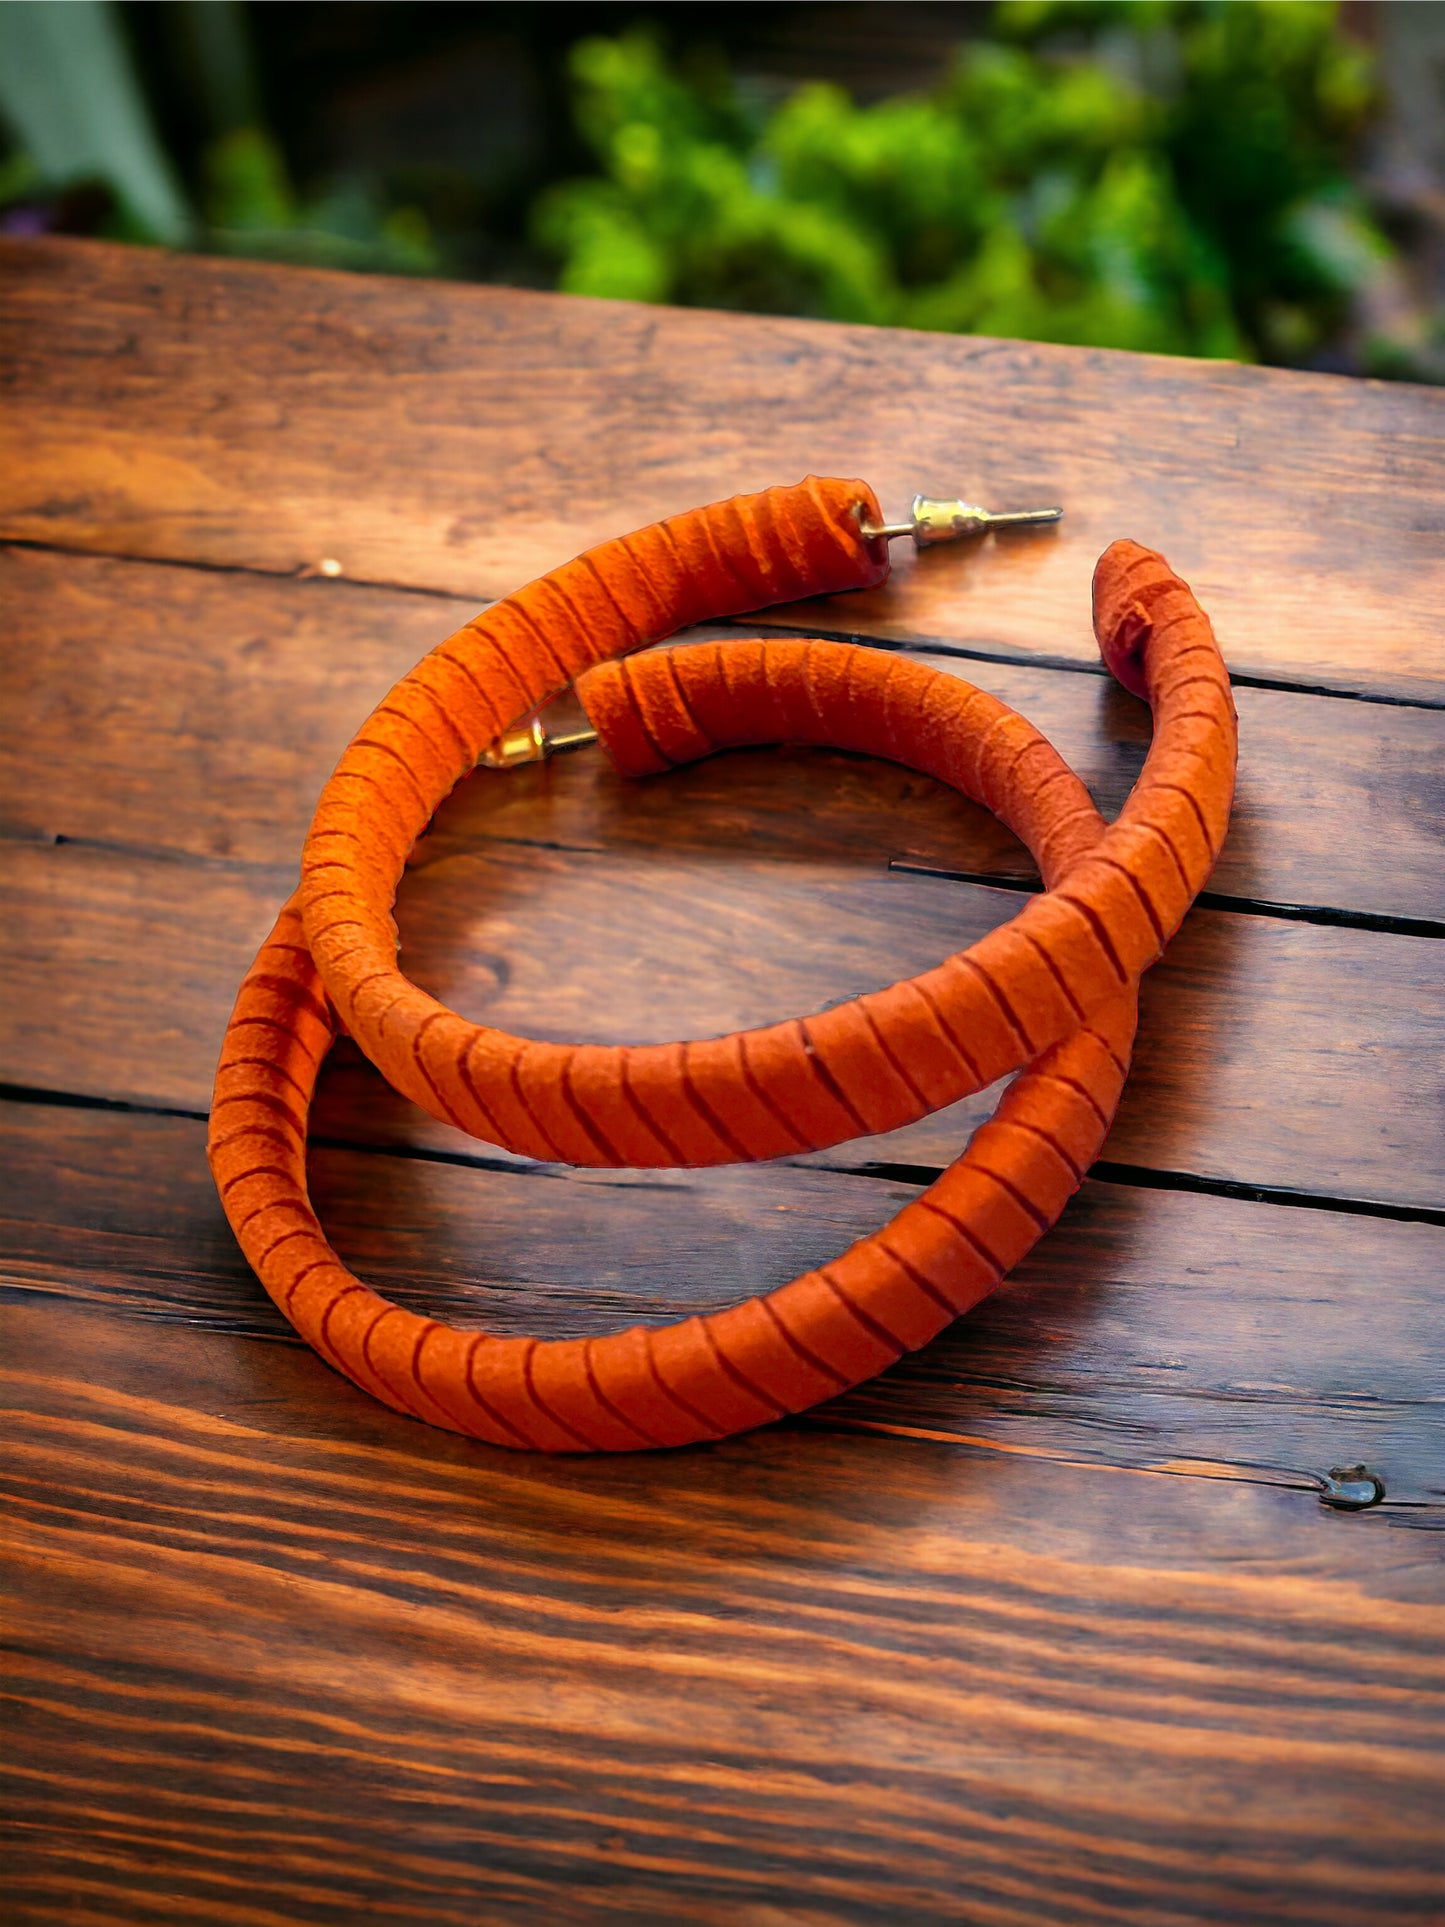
<point>1054,990</point>
<point>1013,994</point>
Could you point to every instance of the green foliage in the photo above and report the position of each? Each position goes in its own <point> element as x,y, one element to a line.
<point>1163,174</point>
<point>251,208</point>
<point>71,102</point>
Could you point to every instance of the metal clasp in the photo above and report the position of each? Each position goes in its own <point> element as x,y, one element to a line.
<point>935,520</point>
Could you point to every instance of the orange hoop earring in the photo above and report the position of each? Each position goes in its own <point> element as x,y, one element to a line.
<point>1055,989</point>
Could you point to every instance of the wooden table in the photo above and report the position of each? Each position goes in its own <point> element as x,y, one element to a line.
<point>1047,1624</point>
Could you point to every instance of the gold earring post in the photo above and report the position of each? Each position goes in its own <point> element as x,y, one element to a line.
<point>936,520</point>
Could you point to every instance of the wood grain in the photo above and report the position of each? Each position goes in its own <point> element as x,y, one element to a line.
<point>467,439</point>
<point>1124,1341</point>
<point>1270,1053</point>
<point>282,1656</point>
<point>181,709</point>
<point>1044,1626</point>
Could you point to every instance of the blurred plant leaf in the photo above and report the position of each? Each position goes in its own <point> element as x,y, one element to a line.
<point>69,94</point>
<point>1167,175</point>
<point>247,189</point>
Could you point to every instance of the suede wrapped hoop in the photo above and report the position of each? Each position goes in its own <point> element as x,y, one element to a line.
<point>1068,1008</point>
<point>868,1065</point>
<point>708,1376</point>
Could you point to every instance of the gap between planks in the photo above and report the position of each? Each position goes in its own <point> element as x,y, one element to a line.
<point>1103,1169</point>
<point>1321,914</point>
<point>916,644</point>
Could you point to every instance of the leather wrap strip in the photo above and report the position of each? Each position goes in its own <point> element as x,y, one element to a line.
<point>1054,990</point>
<point>773,1090</point>
<point>780,1352</point>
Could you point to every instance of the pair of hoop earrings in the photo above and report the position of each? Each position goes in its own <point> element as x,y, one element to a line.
<point>1051,995</point>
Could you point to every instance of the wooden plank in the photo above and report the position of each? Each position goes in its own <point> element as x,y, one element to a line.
<point>182,709</point>
<point>1271,1053</point>
<point>187,710</point>
<point>466,439</point>
<point>1151,1330</point>
<point>1046,1625</point>
<point>281,1656</point>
